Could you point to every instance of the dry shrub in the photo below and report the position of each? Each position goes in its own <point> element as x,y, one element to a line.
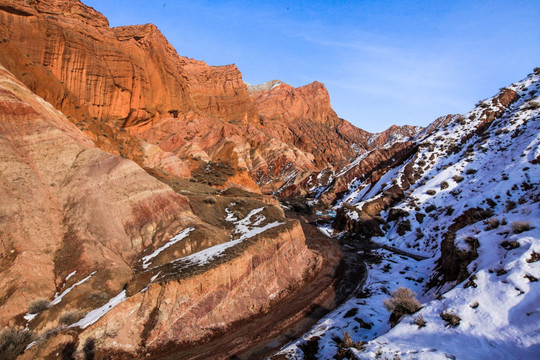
<point>13,342</point>
<point>344,346</point>
<point>38,306</point>
<point>71,317</point>
<point>492,223</point>
<point>348,342</point>
<point>451,318</point>
<point>403,301</point>
<point>510,244</point>
<point>458,178</point>
<point>534,257</point>
<point>420,321</point>
<point>431,192</point>
<point>520,226</point>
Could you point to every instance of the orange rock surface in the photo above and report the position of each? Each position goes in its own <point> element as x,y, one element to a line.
<point>108,80</point>
<point>67,205</point>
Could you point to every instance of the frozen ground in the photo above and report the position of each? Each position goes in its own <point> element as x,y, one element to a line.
<point>499,304</point>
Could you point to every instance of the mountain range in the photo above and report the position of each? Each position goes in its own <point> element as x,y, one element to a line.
<point>154,206</point>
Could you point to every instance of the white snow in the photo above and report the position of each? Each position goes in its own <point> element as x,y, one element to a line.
<point>506,323</point>
<point>178,237</point>
<point>29,317</point>
<point>244,229</point>
<point>70,275</point>
<point>58,297</point>
<point>207,255</point>
<point>96,314</point>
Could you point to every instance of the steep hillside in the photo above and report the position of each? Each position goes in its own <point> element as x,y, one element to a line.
<point>456,221</point>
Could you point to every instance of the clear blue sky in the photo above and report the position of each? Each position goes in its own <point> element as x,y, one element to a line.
<point>383,62</point>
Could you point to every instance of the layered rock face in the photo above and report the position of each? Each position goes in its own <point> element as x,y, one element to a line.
<point>131,74</point>
<point>68,206</point>
<point>76,222</point>
<point>179,113</point>
<point>184,312</point>
<point>303,117</point>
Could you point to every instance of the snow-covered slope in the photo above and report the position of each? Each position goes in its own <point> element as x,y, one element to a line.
<point>467,204</point>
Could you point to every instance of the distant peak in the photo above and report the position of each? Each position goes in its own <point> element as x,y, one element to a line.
<point>267,86</point>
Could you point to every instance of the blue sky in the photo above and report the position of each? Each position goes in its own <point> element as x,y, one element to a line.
<point>383,62</point>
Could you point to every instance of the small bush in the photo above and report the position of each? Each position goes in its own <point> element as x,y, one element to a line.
<point>38,306</point>
<point>470,171</point>
<point>403,301</point>
<point>210,201</point>
<point>451,318</point>
<point>420,321</point>
<point>13,342</point>
<point>431,192</point>
<point>444,185</point>
<point>510,205</point>
<point>348,342</point>
<point>71,317</point>
<point>492,223</point>
<point>520,226</point>
<point>458,178</point>
<point>510,244</point>
<point>430,208</point>
<point>344,345</point>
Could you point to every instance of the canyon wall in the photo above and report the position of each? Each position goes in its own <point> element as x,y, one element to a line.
<point>134,96</point>
<point>67,205</point>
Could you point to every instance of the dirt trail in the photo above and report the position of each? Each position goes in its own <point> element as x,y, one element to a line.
<point>341,273</point>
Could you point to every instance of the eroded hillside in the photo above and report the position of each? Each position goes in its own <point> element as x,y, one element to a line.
<point>134,96</point>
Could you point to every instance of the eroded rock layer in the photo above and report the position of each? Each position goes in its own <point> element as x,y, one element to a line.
<point>89,239</point>
<point>67,206</point>
<point>134,96</point>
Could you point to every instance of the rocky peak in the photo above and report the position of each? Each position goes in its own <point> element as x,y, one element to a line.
<point>277,100</point>
<point>394,134</point>
<point>264,87</point>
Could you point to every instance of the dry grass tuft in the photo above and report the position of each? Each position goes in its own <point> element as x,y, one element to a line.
<point>13,342</point>
<point>71,317</point>
<point>402,301</point>
<point>520,226</point>
<point>38,306</point>
<point>452,319</point>
<point>420,321</point>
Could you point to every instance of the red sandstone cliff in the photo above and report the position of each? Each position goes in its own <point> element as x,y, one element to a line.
<point>67,205</point>
<point>76,221</point>
<point>179,113</point>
